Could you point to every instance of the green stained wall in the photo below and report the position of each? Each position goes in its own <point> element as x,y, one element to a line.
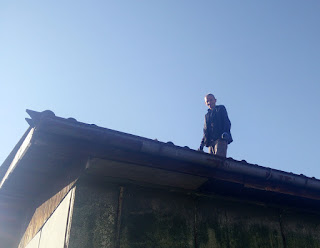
<point>159,219</point>
<point>94,216</point>
<point>231,224</point>
<point>301,229</point>
<point>140,217</point>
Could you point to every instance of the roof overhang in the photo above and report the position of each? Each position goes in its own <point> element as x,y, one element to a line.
<point>57,147</point>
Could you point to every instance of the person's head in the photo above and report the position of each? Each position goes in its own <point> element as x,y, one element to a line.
<point>210,101</point>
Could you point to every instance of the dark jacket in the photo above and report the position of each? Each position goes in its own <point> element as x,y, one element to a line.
<point>216,123</point>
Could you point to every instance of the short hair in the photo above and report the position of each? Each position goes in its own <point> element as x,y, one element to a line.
<point>209,95</point>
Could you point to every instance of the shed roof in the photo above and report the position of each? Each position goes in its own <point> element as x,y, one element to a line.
<point>54,152</point>
<point>52,143</point>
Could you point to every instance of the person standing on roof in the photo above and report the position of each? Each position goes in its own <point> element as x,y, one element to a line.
<point>216,131</point>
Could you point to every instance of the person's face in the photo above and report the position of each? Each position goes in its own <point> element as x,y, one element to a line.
<point>210,101</point>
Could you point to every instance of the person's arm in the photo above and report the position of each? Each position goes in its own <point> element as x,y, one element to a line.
<point>203,141</point>
<point>226,125</point>
<point>226,121</point>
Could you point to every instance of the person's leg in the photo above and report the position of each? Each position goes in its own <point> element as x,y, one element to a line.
<point>211,149</point>
<point>220,148</point>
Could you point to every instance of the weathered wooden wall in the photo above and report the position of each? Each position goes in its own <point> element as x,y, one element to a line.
<point>112,216</point>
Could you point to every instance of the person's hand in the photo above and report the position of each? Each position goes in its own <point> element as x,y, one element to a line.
<point>225,136</point>
<point>200,149</point>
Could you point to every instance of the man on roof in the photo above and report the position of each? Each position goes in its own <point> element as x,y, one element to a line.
<point>216,131</point>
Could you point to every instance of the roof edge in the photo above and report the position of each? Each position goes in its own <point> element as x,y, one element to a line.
<point>5,165</point>
<point>48,121</point>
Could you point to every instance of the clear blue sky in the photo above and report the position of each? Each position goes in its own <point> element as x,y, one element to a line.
<point>143,67</point>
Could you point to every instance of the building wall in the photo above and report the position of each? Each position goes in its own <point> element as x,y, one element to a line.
<point>42,213</point>
<point>111,216</point>
<point>55,232</point>
<point>94,218</point>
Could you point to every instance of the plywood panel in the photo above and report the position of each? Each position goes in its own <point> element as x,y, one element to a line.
<point>54,231</point>
<point>34,243</point>
<point>42,213</point>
